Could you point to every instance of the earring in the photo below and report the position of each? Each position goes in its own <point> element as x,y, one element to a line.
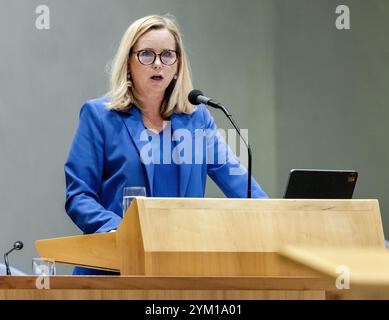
<point>175,77</point>
<point>129,83</point>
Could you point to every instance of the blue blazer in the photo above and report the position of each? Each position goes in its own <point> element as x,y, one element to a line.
<point>105,157</point>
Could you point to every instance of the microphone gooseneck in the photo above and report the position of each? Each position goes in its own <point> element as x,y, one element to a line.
<point>18,245</point>
<point>196,97</point>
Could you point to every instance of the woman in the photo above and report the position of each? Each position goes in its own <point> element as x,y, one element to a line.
<point>145,133</point>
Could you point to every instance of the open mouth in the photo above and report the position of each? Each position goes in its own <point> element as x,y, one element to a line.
<point>157,78</point>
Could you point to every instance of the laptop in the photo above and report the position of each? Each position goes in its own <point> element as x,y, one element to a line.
<point>321,184</point>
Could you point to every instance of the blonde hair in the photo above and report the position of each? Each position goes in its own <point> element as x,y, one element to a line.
<point>121,91</point>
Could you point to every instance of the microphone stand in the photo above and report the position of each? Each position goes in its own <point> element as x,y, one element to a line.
<point>8,270</point>
<point>229,116</point>
<point>18,245</point>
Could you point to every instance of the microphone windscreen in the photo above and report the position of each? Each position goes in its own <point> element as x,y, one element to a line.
<point>18,245</point>
<point>192,96</point>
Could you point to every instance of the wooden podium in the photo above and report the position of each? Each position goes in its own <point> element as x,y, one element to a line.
<point>224,239</point>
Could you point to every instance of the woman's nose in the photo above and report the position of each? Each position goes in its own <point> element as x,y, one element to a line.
<point>157,63</point>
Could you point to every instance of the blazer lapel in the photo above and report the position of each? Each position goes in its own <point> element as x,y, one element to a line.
<point>134,123</point>
<point>182,121</point>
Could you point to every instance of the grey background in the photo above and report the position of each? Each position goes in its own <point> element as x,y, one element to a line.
<point>310,95</point>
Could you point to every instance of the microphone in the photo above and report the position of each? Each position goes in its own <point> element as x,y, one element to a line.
<point>196,97</point>
<point>18,245</point>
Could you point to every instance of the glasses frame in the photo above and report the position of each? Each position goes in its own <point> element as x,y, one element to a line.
<point>155,56</point>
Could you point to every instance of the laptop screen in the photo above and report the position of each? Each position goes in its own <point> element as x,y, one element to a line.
<point>321,184</point>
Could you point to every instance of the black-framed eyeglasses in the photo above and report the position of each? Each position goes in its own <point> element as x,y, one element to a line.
<point>148,56</point>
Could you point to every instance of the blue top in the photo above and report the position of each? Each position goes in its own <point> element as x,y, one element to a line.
<point>165,170</point>
<point>110,151</point>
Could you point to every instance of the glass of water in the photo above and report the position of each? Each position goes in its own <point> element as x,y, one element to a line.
<point>43,267</point>
<point>128,195</point>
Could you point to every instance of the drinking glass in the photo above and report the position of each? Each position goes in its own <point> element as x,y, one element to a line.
<point>128,195</point>
<point>43,267</point>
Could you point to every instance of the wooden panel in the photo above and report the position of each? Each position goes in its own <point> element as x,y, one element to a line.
<point>170,283</point>
<point>366,269</point>
<point>242,237</point>
<point>159,295</point>
<point>241,225</point>
<point>95,250</point>
<point>101,287</point>
<point>366,266</point>
<point>222,264</point>
<point>130,242</point>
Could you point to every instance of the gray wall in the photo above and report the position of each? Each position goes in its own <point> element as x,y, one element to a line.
<point>331,105</point>
<point>310,95</point>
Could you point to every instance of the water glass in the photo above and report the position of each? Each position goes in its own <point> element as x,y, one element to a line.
<point>128,195</point>
<point>43,267</point>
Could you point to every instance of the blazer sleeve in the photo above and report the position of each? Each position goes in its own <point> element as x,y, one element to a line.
<point>83,175</point>
<point>224,168</point>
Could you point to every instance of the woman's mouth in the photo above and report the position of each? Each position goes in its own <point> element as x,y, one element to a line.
<point>157,78</point>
